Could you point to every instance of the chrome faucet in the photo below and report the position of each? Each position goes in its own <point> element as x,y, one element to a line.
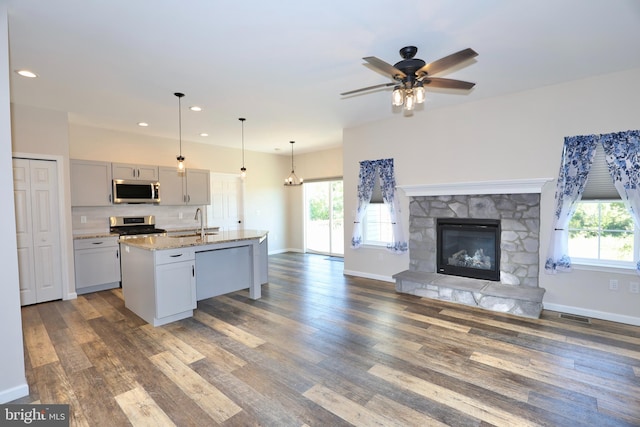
<point>198,211</point>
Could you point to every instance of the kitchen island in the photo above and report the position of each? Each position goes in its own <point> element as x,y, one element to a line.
<point>163,277</point>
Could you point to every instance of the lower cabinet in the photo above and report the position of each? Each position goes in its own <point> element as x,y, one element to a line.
<point>166,295</point>
<point>97,264</point>
<point>175,282</point>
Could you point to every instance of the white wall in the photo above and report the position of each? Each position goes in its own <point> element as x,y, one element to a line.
<point>13,382</point>
<point>510,137</point>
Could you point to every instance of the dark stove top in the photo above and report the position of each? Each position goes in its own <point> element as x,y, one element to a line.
<point>134,225</point>
<point>136,230</point>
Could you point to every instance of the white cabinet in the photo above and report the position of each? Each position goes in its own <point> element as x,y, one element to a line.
<point>97,264</point>
<point>90,183</point>
<point>198,190</point>
<point>175,282</point>
<point>192,188</point>
<point>135,172</point>
<point>166,295</point>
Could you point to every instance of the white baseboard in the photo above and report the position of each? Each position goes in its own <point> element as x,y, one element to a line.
<point>369,276</point>
<point>613,317</point>
<point>14,393</point>
<point>282,251</point>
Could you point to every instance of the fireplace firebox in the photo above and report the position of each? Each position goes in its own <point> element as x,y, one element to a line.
<point>468,247</point>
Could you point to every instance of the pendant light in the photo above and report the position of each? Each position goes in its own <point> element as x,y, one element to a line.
<point>243,170</point>
<point>179,157</point>
<point>292,179</point>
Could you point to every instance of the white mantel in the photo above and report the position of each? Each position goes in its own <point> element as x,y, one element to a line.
<point>513,186</point>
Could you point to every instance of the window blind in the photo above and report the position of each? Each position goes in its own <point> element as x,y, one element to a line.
<point>599,182</point>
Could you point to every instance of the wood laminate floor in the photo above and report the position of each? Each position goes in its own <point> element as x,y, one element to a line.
<point>323,349</point>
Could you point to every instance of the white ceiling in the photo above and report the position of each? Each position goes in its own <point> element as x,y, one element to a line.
<point>282,64</point>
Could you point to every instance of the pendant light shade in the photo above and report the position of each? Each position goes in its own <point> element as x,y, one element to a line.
<point>243,170</point>
<point>179,157</point>
<point>292,180</point>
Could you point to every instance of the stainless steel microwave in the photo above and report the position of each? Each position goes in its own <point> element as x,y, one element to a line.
<point>133,191</point>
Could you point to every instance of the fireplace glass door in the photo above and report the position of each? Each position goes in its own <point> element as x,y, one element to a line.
<point>469,247</point>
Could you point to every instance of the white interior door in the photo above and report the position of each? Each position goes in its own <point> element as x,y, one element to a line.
<point>38,237</point>
<point>227,202</point>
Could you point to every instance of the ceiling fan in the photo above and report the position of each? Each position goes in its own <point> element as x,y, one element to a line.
<point>411,75</point>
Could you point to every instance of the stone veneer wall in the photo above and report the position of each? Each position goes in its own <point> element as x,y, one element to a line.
<point>520,223</point>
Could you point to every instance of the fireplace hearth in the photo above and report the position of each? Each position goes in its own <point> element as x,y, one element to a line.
<point>469,247</point>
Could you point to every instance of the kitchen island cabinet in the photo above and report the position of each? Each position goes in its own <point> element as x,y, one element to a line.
<point>164,277</point>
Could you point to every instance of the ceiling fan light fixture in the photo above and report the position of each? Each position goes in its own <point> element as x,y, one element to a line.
<point>397,97</point>
<point>409,100</point>
<point>420,93</point>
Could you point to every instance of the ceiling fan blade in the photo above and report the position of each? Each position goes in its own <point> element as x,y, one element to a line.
<point>368,88</point>
<point>438,82</point>
<point>447,62</point>
<point>385,67</point>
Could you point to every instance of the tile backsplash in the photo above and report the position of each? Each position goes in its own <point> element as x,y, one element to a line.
<point>86,220</point>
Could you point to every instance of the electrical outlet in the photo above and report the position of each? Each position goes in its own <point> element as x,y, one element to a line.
<point>179,215</point>
<point>613,285</point>
<point>634,287</point>
<point>83,219</point>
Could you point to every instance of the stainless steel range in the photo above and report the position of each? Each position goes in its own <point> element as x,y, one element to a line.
<point>129,227</point>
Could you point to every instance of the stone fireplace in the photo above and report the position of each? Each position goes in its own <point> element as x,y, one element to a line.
<point>502,277</point>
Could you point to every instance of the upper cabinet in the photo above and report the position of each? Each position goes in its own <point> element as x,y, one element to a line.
<point>192,188</point>
<point>135,172</point>
<point>90,183</point>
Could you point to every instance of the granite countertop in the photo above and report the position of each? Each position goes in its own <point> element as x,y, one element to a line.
<point>191,229</point>
<point>94,235</point>
<point>166,242</point>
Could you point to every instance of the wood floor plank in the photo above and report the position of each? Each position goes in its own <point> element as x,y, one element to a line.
<point>141,409</point>
<point>607,393</point>
<point>112,370</point>
<point>322,348</point>
<point>54,387</point>
<point>231,331</point>
<point>82,332</point>
<point>70,354</point>
<point>39,346</point>
<point>208,397</point>
<point>85,308</point>
<point>179,348</point>
<point>202,339</point>
<point>472,406</point>
<point>400,414</point>
<point>346,409</point>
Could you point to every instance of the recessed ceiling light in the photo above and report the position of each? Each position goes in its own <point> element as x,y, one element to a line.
<point>143,124</point>
<point>195,108</point>
<point>204,134</point>
<point>27,73</point>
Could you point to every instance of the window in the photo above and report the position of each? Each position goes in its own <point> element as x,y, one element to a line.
<point>377,228</point>
<point>602,232</point>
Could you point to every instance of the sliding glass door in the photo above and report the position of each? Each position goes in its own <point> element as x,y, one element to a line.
<point>324,225</point>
